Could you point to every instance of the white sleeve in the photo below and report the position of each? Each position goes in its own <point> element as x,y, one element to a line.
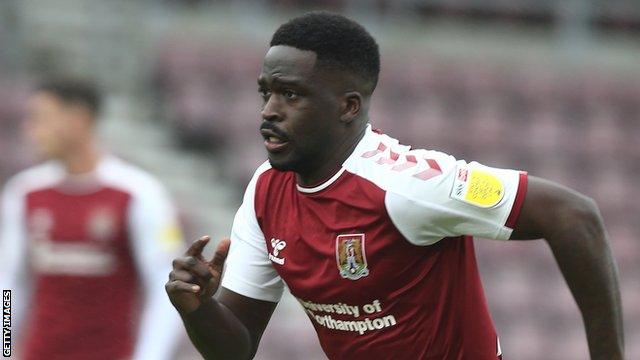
<point>155,240</point>
<point>248,269</point>
<point>13,249</point>
<point>454,198</point>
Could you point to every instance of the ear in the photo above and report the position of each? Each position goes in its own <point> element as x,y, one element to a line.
<point>351,106</point>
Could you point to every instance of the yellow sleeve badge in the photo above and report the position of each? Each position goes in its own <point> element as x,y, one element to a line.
<point>477,187</point>
<point>170,237</point>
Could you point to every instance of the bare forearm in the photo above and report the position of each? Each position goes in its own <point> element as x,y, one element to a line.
<point>572,225</point>
<point>585,259</point>
<point>217,333</point>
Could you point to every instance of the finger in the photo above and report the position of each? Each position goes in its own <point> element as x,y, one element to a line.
<point>192,265</point>
<point>181,286</point>
<point>196,247</point>
<point>220,255</point>
<point>182,275</point>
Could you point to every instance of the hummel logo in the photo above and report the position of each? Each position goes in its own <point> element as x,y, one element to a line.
<point>277,245</point>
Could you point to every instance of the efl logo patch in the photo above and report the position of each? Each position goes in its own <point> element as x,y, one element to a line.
<point>477,187</point>
<point>351,257</point>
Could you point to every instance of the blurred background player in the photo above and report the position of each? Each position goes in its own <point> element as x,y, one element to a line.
<point>91,234</point>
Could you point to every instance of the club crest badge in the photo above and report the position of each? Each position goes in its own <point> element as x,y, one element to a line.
<point>102,224</point>
<point>350,255</point>
<point>41,223</point>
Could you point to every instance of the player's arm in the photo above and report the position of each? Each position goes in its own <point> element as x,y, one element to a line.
<point>473,199</point>
<point>226,327</point>
<point>13,249</point>
<point>573,227</point>
<point>155,240</point>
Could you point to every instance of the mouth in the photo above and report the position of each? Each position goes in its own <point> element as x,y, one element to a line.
<point>274,142</point>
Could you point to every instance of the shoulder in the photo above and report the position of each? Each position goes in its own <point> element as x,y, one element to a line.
<point>129,178</point>
<point>264,168</point>
<point>34,178</point>
<point>258,180</point>
<point>393,166</point>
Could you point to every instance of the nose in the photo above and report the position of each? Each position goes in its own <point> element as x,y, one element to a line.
<point>270,110</point>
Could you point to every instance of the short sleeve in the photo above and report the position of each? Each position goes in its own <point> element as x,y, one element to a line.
<point>156,238</point>
<point>156,234</point>
<point>455,198</point>
<point>248,269</point>
<point>14,246</point>
<point>12,235</point>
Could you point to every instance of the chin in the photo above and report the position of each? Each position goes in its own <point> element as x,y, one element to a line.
<point>281,165</point>
<point>286,162</point>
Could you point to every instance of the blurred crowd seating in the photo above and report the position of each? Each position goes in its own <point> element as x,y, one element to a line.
<point>581,129</point>
<point>616,14</point>
<point>621,15</point>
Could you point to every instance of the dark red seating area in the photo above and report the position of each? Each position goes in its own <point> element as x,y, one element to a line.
<point>616,15</point>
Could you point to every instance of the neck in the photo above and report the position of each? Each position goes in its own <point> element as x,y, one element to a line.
<point>331,162</point>
<point>82,160</point>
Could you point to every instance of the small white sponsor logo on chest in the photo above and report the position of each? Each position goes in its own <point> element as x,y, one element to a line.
<point>277,246</point>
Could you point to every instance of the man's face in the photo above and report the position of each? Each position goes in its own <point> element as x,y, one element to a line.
<point>53,126</point>
<point>300,109</point>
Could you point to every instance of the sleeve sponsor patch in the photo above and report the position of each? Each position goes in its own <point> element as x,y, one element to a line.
<point>477,187</point>
<point>170,237</point>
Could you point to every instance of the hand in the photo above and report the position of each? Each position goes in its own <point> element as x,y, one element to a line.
<point>194,280</point>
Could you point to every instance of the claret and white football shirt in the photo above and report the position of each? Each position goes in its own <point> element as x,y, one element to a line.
<point>380,256</point>
<point>89,246</point>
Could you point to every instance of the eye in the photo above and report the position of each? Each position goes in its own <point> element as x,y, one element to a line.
<point>264,94</point>
<point>289,94</point>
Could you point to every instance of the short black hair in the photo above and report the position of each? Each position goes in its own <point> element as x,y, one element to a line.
<point>337,41</point>
<point>74,92</point>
